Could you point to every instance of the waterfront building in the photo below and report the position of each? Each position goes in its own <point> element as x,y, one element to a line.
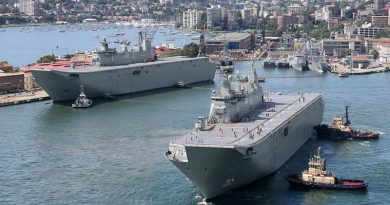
<point>383,47</point>
<point>233,41</point>
<point>360,62</point>
<point>11,82</point>
<point>192,18</point>
<point>336,46</point>
<point>379,21</point>
<point>214,16</point>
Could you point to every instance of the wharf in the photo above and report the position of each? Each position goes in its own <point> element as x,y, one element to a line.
<point>340,68</point>
<point>23,97</point>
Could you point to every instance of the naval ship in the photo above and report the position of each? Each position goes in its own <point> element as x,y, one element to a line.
<point>113,72</point>
<point>298,61</point>
<point>247,135</point>
<point>315,61</point>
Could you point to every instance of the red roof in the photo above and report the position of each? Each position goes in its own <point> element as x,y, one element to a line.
<point>59,65</point>
<point>359,58</point>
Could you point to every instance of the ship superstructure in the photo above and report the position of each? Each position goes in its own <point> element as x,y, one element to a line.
<point>247,135</point>
<point>113,72</point>
<point>315,60</point>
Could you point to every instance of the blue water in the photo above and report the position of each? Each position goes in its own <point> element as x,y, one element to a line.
<point>112,153</point>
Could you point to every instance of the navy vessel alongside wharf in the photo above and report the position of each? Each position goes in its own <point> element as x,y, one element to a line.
<point>247,135</point>
<point>123,72</point>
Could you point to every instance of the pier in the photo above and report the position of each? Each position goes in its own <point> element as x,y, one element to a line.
<point>340,68</point>
<point>23,97</point>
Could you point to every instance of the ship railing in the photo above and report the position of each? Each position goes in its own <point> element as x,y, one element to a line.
<point>250,132</point>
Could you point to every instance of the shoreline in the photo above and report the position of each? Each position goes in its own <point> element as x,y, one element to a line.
<point>22,98</point>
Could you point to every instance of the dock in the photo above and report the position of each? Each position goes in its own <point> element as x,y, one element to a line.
<point>23,97</point>
<point>340,68</point>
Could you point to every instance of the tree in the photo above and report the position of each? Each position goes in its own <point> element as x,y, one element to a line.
<point>320,33</point>
<point>47,59</point>
<point>375,53</point>
<point>190,50</point>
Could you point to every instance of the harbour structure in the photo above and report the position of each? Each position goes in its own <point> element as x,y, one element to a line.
<point>247,135</point>
<point>113,72</point>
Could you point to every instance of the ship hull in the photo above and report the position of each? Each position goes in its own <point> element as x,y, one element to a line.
<point>341,184</point>
<point>299,67</point>
<point>216,170</point>
<point>63,85</point>
<point>318,67</point>
<point>283,65</point>
<point>269,64</point>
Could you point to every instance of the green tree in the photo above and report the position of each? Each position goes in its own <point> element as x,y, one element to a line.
<point>190,50</point>
<point>375,53</point>
<point>47,59</point>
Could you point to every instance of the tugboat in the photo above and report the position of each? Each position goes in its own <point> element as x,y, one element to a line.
<point>283,63</point>
<point>82,101</point>
<point>319,178</point>
<point>269,63</point>
<point>341,129</point>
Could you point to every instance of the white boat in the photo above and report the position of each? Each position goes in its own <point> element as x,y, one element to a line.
<point>82,101</point>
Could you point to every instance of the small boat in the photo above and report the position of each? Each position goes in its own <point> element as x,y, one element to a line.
<point>343,74</point>
<point>260,79</point>
<point>82,101</point>
<point>317,177</point>
<point>341,128</point>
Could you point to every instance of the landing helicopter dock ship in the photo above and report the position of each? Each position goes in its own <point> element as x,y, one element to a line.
<point>113,72</point>
<point>247,135</point>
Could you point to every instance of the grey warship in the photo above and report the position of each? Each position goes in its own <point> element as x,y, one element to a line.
<point>113,72</point>
<point>247,135</point>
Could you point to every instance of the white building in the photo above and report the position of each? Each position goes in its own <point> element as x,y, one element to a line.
<point>383,47</point>
<point>323,14</point>
<point>28,7</point>
<point>192,18</point>
<point>295,9</point>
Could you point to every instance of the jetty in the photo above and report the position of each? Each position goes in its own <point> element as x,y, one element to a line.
<point>341,68</point>
<point>23,97</point>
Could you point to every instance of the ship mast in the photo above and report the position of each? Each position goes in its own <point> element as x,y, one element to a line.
<point>346,116</point>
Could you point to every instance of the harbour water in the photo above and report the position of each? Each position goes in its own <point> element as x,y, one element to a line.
<point>112,153</point>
